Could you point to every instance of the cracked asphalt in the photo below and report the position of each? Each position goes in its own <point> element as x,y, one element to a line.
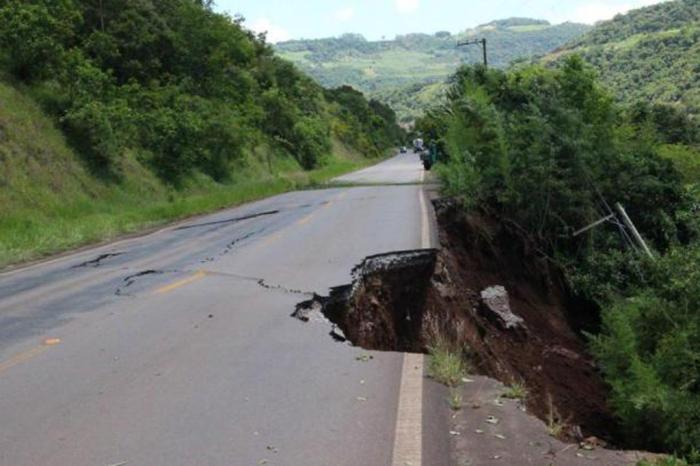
<point>177,348</point>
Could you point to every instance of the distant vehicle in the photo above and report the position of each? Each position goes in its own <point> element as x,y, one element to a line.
<point>404,149</point>
<point>418,145</point>
<point>429,156</point>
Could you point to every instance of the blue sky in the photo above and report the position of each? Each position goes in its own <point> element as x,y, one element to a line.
<point>290,19</point>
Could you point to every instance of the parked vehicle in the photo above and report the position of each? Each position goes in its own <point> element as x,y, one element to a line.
<point>429,156</point>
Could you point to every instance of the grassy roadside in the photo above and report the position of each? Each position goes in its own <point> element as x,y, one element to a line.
<point>28,235</point>
<point>49,203</point>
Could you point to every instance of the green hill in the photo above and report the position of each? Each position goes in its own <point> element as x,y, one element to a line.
<point>398,71</point>
<point>651,54</point>
<point>121,114</point>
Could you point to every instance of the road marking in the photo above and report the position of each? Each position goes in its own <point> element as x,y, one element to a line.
<point>328,205</point>
<point>276,236</point>
<point>186,281</point>
<point>408,438</point>
<point>306,219</point>
<point>425,222</point>
<point>22,357</point>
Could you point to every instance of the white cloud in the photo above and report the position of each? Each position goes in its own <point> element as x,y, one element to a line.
<point>344,14</point>
<point>407,6</point>
<point>595,11</point>
<point>274,33</point>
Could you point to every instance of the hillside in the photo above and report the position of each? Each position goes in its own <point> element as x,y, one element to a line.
<point>650,54</point>
<point>119,115</point>
<point>396,70</point>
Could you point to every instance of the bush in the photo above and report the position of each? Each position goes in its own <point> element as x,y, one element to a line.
<point>34,35</point>
<point>310,142</point>
<point>546,150</point>
<point>649,352</point>
<point>174,82</point>
<point>542,148</point>
<point>685,158</point>
<point>90,129</point>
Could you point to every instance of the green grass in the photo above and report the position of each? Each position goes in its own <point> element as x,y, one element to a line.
<point>516,391</point>
<point>446,365</point>
<point>455,399</point>
<point>555,423</point>
<point>27,234</point>
<point>49,203</point>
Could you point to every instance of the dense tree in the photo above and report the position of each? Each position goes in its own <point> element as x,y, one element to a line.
<point>650,54</point>
<point>544,151</point>
<point>184,87</point>
<point>405,71</point>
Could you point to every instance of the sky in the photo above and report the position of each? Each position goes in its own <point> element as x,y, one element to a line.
<point>377,19</point>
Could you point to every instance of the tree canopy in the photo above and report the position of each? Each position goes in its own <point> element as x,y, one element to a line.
<point>186,88</point>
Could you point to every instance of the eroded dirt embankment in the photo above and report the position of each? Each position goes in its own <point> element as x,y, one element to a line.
<point>485,290</point>
<point>525,331</point>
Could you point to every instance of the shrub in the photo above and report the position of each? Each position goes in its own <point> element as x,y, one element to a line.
<point>90,128</point>
<point>649,351</point>
<point>310,141</point>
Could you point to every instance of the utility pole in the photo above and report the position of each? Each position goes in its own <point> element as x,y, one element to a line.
<point>482,43</point>
<point>633,229</point>
<point>628,223</point>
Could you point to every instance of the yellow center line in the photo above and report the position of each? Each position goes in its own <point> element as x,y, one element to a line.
<point>185,281</point>
<point>303,221</point>
<point>24,356</point>
<point>306,219</point>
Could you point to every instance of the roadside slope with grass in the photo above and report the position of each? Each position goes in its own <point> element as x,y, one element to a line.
<point>118,116</point>
<point>50,202</point>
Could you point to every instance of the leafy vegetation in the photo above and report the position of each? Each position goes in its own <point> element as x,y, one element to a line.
<point>395,71</point>
<point>163,109</point>
<point>650,54</point>
<point>516,391</point>
<point>186,87</point>
<point>49,200</point>
<point>649,351</point>
<point>446,365</point>
<point>545,151</point>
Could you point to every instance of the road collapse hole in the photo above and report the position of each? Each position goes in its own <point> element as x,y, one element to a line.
<point>382,309</point>
<point>488,291</point>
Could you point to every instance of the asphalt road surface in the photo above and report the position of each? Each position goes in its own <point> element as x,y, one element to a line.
<point>406,168</point>
<point>177,348</point>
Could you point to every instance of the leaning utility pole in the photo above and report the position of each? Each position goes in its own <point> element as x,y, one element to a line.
<point>627,223</point>
<point>482,43</point>
<point>633,229</point>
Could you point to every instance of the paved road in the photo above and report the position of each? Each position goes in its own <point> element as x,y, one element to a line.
<point>177,348</point>
<point>405,168</point>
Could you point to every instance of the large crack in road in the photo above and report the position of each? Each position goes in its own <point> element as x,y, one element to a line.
<point>484,291</point>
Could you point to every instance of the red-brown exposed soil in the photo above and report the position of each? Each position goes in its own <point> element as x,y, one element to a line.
<point>547,355</point>
<point>403,301</point>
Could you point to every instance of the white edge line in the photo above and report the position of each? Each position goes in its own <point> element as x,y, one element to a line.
<point>425,223</point>
<point>408,437</point>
